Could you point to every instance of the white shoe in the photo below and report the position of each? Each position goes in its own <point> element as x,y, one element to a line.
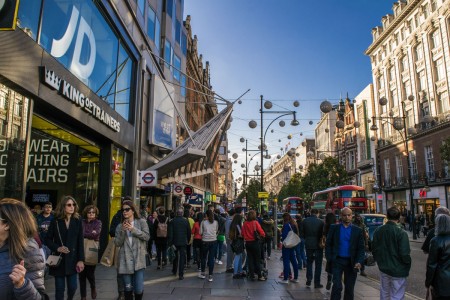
<point>201,275</point>
<point>283,281</point>
<point>219,262</point>
<point>210,278</point>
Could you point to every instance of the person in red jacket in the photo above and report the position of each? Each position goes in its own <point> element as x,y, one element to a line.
<point>250,230</point>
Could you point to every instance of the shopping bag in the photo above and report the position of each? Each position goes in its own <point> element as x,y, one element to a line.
<point>91,252</point>
<point>291,240</point>
<point>368,259</point>
<point>109,254</point>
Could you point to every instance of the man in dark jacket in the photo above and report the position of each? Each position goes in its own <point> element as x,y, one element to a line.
<point>268,225</point>
<point>179,234</point>
<point>345,251</point>
<point>392,254</point>
<point>311,230</point>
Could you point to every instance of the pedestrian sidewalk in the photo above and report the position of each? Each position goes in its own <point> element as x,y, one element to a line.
<point>161,284</point>
<point>420,238</point>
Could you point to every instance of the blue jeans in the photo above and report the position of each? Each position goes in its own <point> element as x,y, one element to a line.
<point>219,250</point>
<point>60,286</point>
<point>343,265</point>
<point>300,254</point>
<point>134,282</point>
<point>289,256</point>
<point>208,251</point>
<point>237,269</point>
<point>316,256</point>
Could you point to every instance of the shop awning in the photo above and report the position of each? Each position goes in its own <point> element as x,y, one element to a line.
<point>196,155</point>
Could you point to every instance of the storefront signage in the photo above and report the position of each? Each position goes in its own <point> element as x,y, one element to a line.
<point>48,161</point>
<point>178,189</point>
<point>68,91</point>
<point>8,14</point>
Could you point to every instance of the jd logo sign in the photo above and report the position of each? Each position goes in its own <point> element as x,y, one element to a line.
<point>8,14</point>
<point>82,30</point>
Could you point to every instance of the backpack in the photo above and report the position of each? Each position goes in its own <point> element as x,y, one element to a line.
<point>161,230</point>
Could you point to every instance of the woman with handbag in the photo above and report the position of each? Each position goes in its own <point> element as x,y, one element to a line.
<point>288,254</point>
<point>197,241</point>
<point>438,263</point>
<point>132,237</point>
<point>91,232</point>
<point>253,233</point>
<point>22,272</point>
<point>65,238</point>
<point>237,245</point>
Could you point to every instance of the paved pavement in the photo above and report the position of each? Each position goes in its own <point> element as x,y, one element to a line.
<point>161,284</point>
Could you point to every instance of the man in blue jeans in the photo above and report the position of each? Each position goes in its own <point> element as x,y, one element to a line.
<point>311,230</point>
<point>345,251</point>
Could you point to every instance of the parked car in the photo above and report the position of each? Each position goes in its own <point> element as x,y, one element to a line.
<point>373,221</point>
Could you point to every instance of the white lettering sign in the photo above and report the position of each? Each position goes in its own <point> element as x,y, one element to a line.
<point>78,98</point>
<point>48,161</point>
<point>60,47</point>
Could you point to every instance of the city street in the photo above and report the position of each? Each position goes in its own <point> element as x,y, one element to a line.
<point>416,279</point>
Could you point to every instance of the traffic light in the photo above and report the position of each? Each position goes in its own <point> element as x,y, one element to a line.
<point>8,14</point>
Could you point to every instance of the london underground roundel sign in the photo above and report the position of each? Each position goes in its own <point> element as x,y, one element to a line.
<point>188,190</point>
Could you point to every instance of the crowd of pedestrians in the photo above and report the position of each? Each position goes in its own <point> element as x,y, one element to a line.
<point>186,237</point>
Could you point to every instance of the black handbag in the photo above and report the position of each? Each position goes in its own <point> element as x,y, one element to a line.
<point>237,245</point>
<point>256,233</point>
<point>368,259</point>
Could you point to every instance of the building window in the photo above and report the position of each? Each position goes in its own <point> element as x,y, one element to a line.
<point>409,119</point>
<point>419,52</point>
<point>387,170</point>
<point>405,65</point>
<point>176,67</point>
<point>178,32</point>
<point>157,34</point>
<point>381,82</point>
<point>413,164</point>
<point>140,5</point>
<point>391,73</point>
<point>184,43</point>
<point>170,7</point>
<point>443,103</point>
<point>3,127</point>
<point>17,108</point>
<point>351,160</point>
<point>168,54</point>
<point>399,166</point>
<point>222,150</point>
<point>436,39</point>
<point>2,99</point>
<point>151,18</point>
<point>422,81</point>
<point>440,69</point>
<point>183,85</point>
<point>15,132</point>
<point>407,88</point>
<point>385,130</point>
<point>429,161</point>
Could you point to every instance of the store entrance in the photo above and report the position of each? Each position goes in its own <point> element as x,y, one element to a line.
<point>428,206</point>
<point>60,163</point>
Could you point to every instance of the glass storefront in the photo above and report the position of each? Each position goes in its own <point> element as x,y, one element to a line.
<point>428,206</point>
<point>60,163</point>
<point>14,112</point>
<point>119,167</point>
<point>76,33</point>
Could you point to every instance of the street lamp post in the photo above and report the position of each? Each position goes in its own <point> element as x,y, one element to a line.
<point>253,124</point>
<point>399,123</point>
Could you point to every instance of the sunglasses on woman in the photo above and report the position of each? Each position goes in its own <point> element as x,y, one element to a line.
<point>127,209</point>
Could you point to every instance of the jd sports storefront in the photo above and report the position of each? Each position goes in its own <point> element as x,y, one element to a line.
<point>66,111</point>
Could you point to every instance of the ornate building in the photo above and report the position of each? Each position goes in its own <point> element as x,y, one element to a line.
<point>410,68</point>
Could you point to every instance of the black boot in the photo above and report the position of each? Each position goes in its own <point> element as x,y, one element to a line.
<point>138,296</point>
<point>128,295</point>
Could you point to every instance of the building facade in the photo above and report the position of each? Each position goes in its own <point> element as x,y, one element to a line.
<point>410,68</point>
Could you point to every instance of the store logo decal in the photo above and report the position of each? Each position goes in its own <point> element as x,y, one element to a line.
<point>60,47</point>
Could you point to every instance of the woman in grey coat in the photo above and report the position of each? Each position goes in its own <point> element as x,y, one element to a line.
<point>22,265</point>
<point>132,236</point>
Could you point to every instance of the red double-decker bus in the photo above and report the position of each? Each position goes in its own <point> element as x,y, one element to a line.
<point>293,205</point>
<point>338,197</point>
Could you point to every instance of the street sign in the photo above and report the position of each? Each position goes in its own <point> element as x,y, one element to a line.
<point>147,178</point>
<point>178,189</point>
<point>263,195</point>
<point>188,190</point>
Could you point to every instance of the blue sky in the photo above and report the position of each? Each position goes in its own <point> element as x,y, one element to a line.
<point>285,50</point>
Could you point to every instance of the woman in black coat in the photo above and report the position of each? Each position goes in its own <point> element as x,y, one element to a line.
<point>438,263</point>
<point>65,237</point>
